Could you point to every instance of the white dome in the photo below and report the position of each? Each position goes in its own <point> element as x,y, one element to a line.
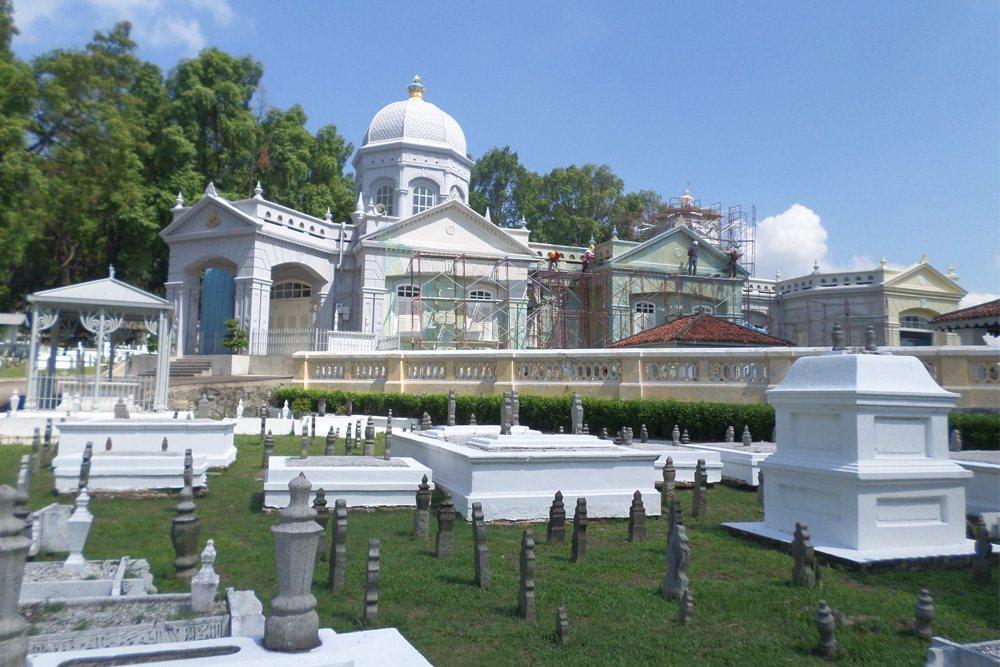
<point>415,119</point>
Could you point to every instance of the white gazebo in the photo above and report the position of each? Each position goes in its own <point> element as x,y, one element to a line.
<point>101,307</point>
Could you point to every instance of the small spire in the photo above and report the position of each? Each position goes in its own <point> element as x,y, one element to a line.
<point>210,190</point>
<point>777,275</point>
<point>881,262</point>
<point>416,90</point>
<point>329,214</point>
<point>487,216</point>
<point>111,270</point>
<point>592,239</point>
<point>371,206</point>
<point>815,266</point>
<point>924,259</point>
<point>614,233</point>
<point>360,205</point>
<point>179,202</point>
<point>523,223</point>
<point>258,191</point>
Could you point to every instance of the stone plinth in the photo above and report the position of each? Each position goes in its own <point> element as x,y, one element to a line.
<point>133,471</point>
<point>862,458</point>
<point>361,481</point>
<point>684,459</point>
<point>982,492</point>
<point>515,476</point>
<point>740,463</point>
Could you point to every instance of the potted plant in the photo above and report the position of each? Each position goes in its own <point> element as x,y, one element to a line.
<point>236,338</point>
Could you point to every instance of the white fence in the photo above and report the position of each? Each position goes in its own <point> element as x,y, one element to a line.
<point>290,341</point>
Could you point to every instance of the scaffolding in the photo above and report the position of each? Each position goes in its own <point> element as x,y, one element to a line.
<point>820,316</point>
<point>725,229</point>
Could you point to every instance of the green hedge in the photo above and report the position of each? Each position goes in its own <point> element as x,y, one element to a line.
<point>703,421</point>
<point>979,430</point>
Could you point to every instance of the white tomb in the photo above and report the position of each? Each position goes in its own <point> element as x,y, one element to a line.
<point>129,471</point>
<point>862,458</point>
<point>516,476</point>
<point>684,460</point>
<point>363,481</point>
<point>740,463</point>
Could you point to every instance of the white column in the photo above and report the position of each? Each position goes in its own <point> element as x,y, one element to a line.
<point>253,310</point>
<point>31,400</point>
<point>162,363</point>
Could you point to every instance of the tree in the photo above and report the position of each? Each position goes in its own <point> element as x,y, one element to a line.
<point>236,338</point>
<point>498,180</point>
<point>575,203</point>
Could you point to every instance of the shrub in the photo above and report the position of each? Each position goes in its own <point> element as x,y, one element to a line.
<point>979,430</point>
<point>235,338</point>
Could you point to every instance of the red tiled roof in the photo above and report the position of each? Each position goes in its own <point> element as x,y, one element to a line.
<point>701,328</point>
<point>988,309</point>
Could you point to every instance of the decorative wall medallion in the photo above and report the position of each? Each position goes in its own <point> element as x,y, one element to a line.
<point>213,220</point>
<point>450,229</point>
<point>921,280</point>
<point>677,252</point>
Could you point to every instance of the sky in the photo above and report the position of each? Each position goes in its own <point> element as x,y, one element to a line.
<point>855,130</point>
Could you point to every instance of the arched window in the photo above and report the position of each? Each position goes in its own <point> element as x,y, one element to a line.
<point>291,290</point>
<point>708,310</point>
<point>643,316</point>
<point>407,317</point>
<point>385,195</point>
<point>480,323</point>
<point>915,330</point>
<point>423,198</point>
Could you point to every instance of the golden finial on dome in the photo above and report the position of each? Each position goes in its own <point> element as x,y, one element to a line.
<point>416,90</point>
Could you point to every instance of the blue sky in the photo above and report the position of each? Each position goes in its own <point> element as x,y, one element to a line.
<point>857,129</point>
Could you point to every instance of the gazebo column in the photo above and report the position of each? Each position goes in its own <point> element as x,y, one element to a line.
<point>253,310</point>
<point>184,297</point>
<point>160,327</point>
<point>41,319</point>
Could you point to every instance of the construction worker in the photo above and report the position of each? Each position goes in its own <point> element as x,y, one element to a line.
<point>554,257</point>
<point>587,256</point>
<point>734,258</point>
<point>693,259</point>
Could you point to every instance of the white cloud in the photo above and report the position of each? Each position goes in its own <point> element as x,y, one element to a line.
<point>790,241</point>
<point>976,298</point>
<point>184,35</point>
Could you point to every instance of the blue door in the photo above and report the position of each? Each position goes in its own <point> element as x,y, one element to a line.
<point>217,294</point>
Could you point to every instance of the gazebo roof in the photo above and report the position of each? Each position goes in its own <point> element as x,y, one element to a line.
<point>107,293</point>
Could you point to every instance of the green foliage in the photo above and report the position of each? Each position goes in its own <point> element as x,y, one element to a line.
<point>301,406</point>
<point>235,338</point>
<point>979,430</point>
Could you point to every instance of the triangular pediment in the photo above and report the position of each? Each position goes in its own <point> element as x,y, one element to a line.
<point>210,214</point>
<point>669,251</point>
<point>451,226</point>
<point>924,277</point>
<point>104,292</point>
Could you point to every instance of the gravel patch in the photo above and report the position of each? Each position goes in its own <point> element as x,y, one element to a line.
<point>59,617</point>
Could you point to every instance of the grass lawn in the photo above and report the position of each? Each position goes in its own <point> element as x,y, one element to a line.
<point>13,370</point>
<point>746,610</point>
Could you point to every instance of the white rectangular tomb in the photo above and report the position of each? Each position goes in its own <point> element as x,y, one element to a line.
<point>363,481</point>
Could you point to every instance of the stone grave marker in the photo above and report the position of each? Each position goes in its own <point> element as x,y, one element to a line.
<point>675,582</point>
<point>77,530</point>
<point>205,584</point>
<point>88,453</point>
<point>36,451</point>
<point>669,487</point>
<point>388,437</point>
<point>13,552</point>
<point>482,554</point>
<point>338,552</point>
<point>47,441</point>
<point>627,432</point>
<point>505,410</point>
<point>685,438</point>
<point>293,625</point>
<point>421,517</point>
<point>730,433</point>
<point>700,499</point>
<point>348,407</point>
<point>562,625</point>
<point>268,451</point>
<point>203,407</point>
<point>805,572</point>
<point>21,510</point>
<point>526,595</point>
<point>322,518</point>
<point>425,422</point>
<point>451,407</point>
<point>331,443</point>
<point>556,532</point>
<point>955,441</point>
<point>372,580</point>
<point>472,419</point>
<point>561,430</point>
<point>604,433</point>
<point>184,535</point>
<point>321,407</point>
<point>746,437</point>
<point>358,442</point>
<point>576,415</point>
<point>515,408</point>
<point>579,553</point>
<point>637,519</point>
<point>643,434</point>
<point>370,437</point>
<point>686,607</point>
<point>121,410</point>
<point>445,542</point>
<point>982,562</point>
<point>312,430</point>
<point>305,444</point>
<point>760,488</point>
<point>923,613</point>
<point>675,515</point>
<point>675,436</point>
<point>825,625</point>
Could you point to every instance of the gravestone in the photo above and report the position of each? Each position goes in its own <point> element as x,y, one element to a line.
<point>637,519</point>
<point>21,510</point>
<point>189,468</point>
<point>576,415</point>
<point>526,595</point>
<point>445,543</point>
<point>955,441</point>
<point>604,433</point>
<point>184,535</point>
<point>47,441</point>
<point>586,428</point>
<point>293,624</point>
<point>700,499</point>
<point>562,625</point>
<point>348,407</point>
<point>370,437</point>
<point>482,554</point>
<point>371,580</point>
<point>36,451</point>
<point>322,518</point>
<point>357,438</point>
<point>505,410</point>
<point>164,445</point>
<point>425,422</point>
<point>88,454</point>
<point>388,437</point>
<point>239,409</point>
<point>627,432</point>
<point>331,443</point>
<point>121,410</point>
<point>305,444</point>
<point>338,552</point>
<point>321,407</point>
<point>686,607</point>
<point>579,553</point>
<point>205,584</point>
<point>312,430</point>
<point>675,516</point>
<point>348,441</point>
<point>268,451</point>
<point>805,572</point>
<point>685,438</point>
<point>451,407</point>
<point>13,552</point>
<point>982,562</point>
<point>675,436</point>
<point>669,488</point>
<point>263,424</point>
<point>472,419</point>
<point>556,532</point>
<point>643,434</point>
<point>747,439</point>
<point>561,429</point>
<point>675,582</point>
<point>77,530</point>
<point>203,407</point>
<point>515,409</point>
<point>107,445</point>
<point>730,433</point>
<point>421,518</point>
<point>923,613</point>
<point>825,625</point>
<point>760,488</point>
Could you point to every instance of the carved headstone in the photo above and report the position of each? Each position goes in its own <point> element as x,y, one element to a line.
<point>425,422</point>
<point>322,518</point>
<point>526,595</point>
<point>825,625</point>
<point>643,434</point>
<point>955,441</point>
<point>505,410</point>
<point>203,406</point>
<point>669,488</point>
<point>446,528</point>
<point>205,584</point>
<point>268,451</point>
<point>305,444</point>
<point>561,431</point>
<point>604,434</point>
<point>312,430</point>
<point>837,337</point>
<point>805,572</point>
<point>13,552</point>
<point>482,554</point>
<point>121,410</point>
<point>370,437</point>
<point>88,453</point>
<point>923,613</point>
<point>579,553</point>
<point>586,428</point>
<point>746,437</point>
<point>348,407</point>
<point>686,608</point>
<point>983,560</point>
<point>675,436</point>
<point>331,443</point>
<point>263,424</point>
<point>47,441</point>
<point>675,582</point>
<point>451,407</point>
<point>515,409</point>
<point>321,407</point>
<point>576,415</point>
<point>730,433</point>
<point>685,438</point>
<point>636,519</point>
<point>562,625</point>
<point>421,518</point>
<point>556,532</point>
<point>472,419</point>
<point>627,432</point>
<point>77,530</point>
<point>240,408</point>
<point>371,580</point>
<point>36,451</point>
<point>358,443</point>
<point>21,510</point>
<point>184,535</point>
<point>388,436</point>
<point>348,441</point>
<point>293,624</point>
<point>700,498</point>
<point>338,551</point>
<point>760,488</point>
<point>675,516</point>
<point>188,468</point>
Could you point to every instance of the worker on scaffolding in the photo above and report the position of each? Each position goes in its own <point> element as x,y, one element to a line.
<point>587,256</point>
<point>554,257</point>
<point>734,259</point>
<point>693,259</point>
